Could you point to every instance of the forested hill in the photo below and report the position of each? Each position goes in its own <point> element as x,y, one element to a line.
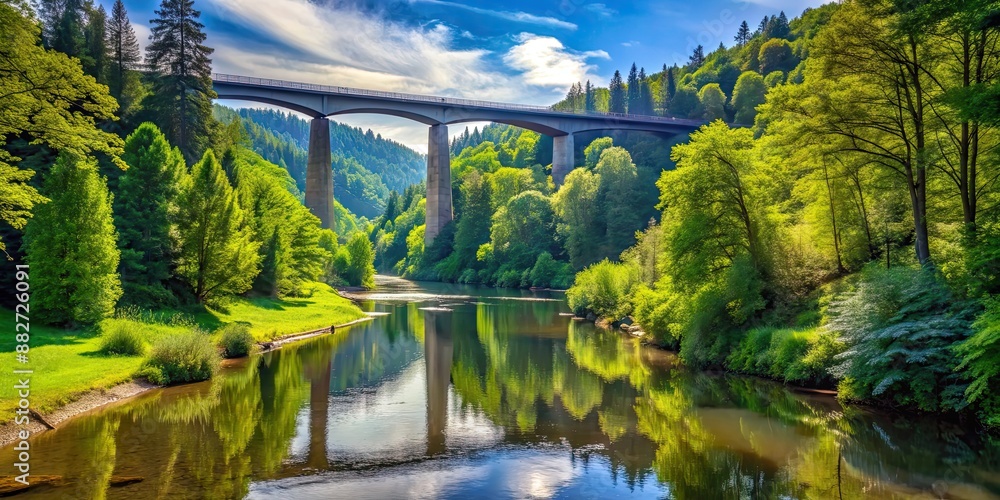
<point>366,166</point>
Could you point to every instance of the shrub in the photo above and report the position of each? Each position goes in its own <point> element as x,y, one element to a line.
<point>177,359</point>
<point>122,337</point>
<point>980,356</point>
<point>796,356</point>
<point>652,309</point>
<point>605,289</point>
<point>236,340</point>
<point>899,326</point>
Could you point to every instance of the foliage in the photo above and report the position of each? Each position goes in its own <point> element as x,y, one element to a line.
<point>218,256</point>
<point>796,356</point>
<point>748,94</point>
<point>71,246</point>
<point>898,326</point>
<point>181,98</point>
<point>122,338</point>
<point>145,210</point>
<point>604,289</point>
<point>236,340</point>
<point>713,101</point>
<point>182,358</point>
<point>980,355</point>
<point>361,266</point>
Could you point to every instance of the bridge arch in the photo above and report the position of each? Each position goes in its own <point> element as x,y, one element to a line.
<point>426,120</point>
<point>541,128</point>
<point>306,110</point>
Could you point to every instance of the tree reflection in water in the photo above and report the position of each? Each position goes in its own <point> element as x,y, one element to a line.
<point>490,376</point>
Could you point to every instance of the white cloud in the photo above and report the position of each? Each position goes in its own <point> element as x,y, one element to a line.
<point>545,61</point>
<point>600,9</point>
<point>631,43</point>
<point>317,44</point>
<point>521,17</point>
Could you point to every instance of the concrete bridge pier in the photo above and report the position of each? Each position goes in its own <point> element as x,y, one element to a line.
<point>319,173</point>
<point>439,210</point>
<point>562,158</point>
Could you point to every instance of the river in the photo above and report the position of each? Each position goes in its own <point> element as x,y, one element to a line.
<point>463,392</point>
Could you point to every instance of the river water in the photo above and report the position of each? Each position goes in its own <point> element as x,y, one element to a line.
<point>462,392</point>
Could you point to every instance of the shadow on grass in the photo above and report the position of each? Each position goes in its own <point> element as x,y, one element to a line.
<point>42,335</point>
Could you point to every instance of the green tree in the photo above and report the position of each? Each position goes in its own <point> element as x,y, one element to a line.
<point>473,227</point>
<point>522,229</point>
<point>777,27</point>
<point>748,94</point>
<point>181,97</point>
<point>713,101</point>
<point>615,197</point>
<point>362,264</point>
<point>46,99</point>
<point>618,100</point>
<point>124,60</point>
<point>579,223</point>
<point>68,33</point>
<point>592,153</point>
<point>145,211</point>
<point>96,63</point>
<point>685,103</point>
<point>589,103</point>
<point>71,246</point>
<point>697,58</point>
<point>776,55</point>
<point>743,35</point>
<point>218,256</point>
<point>634,91</point>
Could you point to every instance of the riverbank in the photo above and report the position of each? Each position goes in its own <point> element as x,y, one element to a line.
<point>70,375</point>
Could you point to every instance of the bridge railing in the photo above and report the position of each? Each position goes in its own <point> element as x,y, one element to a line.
<point>332,89</point>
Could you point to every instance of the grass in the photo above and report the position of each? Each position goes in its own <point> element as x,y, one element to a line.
<point>67,363</point>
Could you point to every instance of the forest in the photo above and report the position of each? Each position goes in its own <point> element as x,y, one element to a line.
<point>834,224</point>
<point>144,216</point>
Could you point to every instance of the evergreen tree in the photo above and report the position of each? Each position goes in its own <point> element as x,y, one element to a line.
<point>743,35</point>
<point>71,246</point>
<point>145,212</point>
<point>634,92</point>
<point>777,27</point>
<point>68,32</point>
<point>217,257</point>
<point>618,101</point>
<point>645,94</point>
<point>96,62</point>
<point>123,48</point>
<point>181,100</point>
<point>762,27</point>
<point>672,81</point>
<point>49,13</point>
<point>589,104</point>
<point>697,58</point>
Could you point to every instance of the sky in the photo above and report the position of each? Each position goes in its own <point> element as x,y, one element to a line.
<point>523,51</point>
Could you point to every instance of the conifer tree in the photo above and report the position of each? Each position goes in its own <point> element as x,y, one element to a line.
<point>217,254</point>
<point>617,101</point>
<point>634,91</point>
<point>743,35</point>
<point>181,98</point>
<point>68,31</point>
<point>145,212</point>
<point>70,245</point>
<point>588,103</point>
<point>96,62</point>
<point>123,49</point>
<point>697,58</point>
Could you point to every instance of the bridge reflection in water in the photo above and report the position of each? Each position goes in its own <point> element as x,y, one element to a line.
<point>501,397</point>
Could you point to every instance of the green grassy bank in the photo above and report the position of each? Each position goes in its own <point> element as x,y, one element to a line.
<point>67,363</point>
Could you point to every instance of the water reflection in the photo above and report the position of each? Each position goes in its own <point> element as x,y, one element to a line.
<point>453,396</point>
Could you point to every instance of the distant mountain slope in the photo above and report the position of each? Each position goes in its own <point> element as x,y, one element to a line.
<point>366,167</point>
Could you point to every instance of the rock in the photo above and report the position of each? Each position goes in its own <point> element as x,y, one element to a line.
<point>635,328</point>
<point>627,320</point>
<point>623,327</point>
<point>591,316</point>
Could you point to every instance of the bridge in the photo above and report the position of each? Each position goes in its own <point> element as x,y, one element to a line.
<point>322,101</point>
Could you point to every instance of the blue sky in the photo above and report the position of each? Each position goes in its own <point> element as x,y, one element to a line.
<point>518,50</point>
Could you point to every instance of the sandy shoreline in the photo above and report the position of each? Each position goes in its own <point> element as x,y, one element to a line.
<point>98,398</point>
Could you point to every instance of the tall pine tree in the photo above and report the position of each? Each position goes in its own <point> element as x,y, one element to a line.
<point>589,104</point>
<point>617,101</point>
<point>181,100</point>
<point>125,59</point>
<point>697,58</point>
<point>71,246</point>
<point>743,35</point>
<point>145,211</point>
<point>218,256</point>
<point>634,91</point>
<point>68,31</point>
<point>96,62</point>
